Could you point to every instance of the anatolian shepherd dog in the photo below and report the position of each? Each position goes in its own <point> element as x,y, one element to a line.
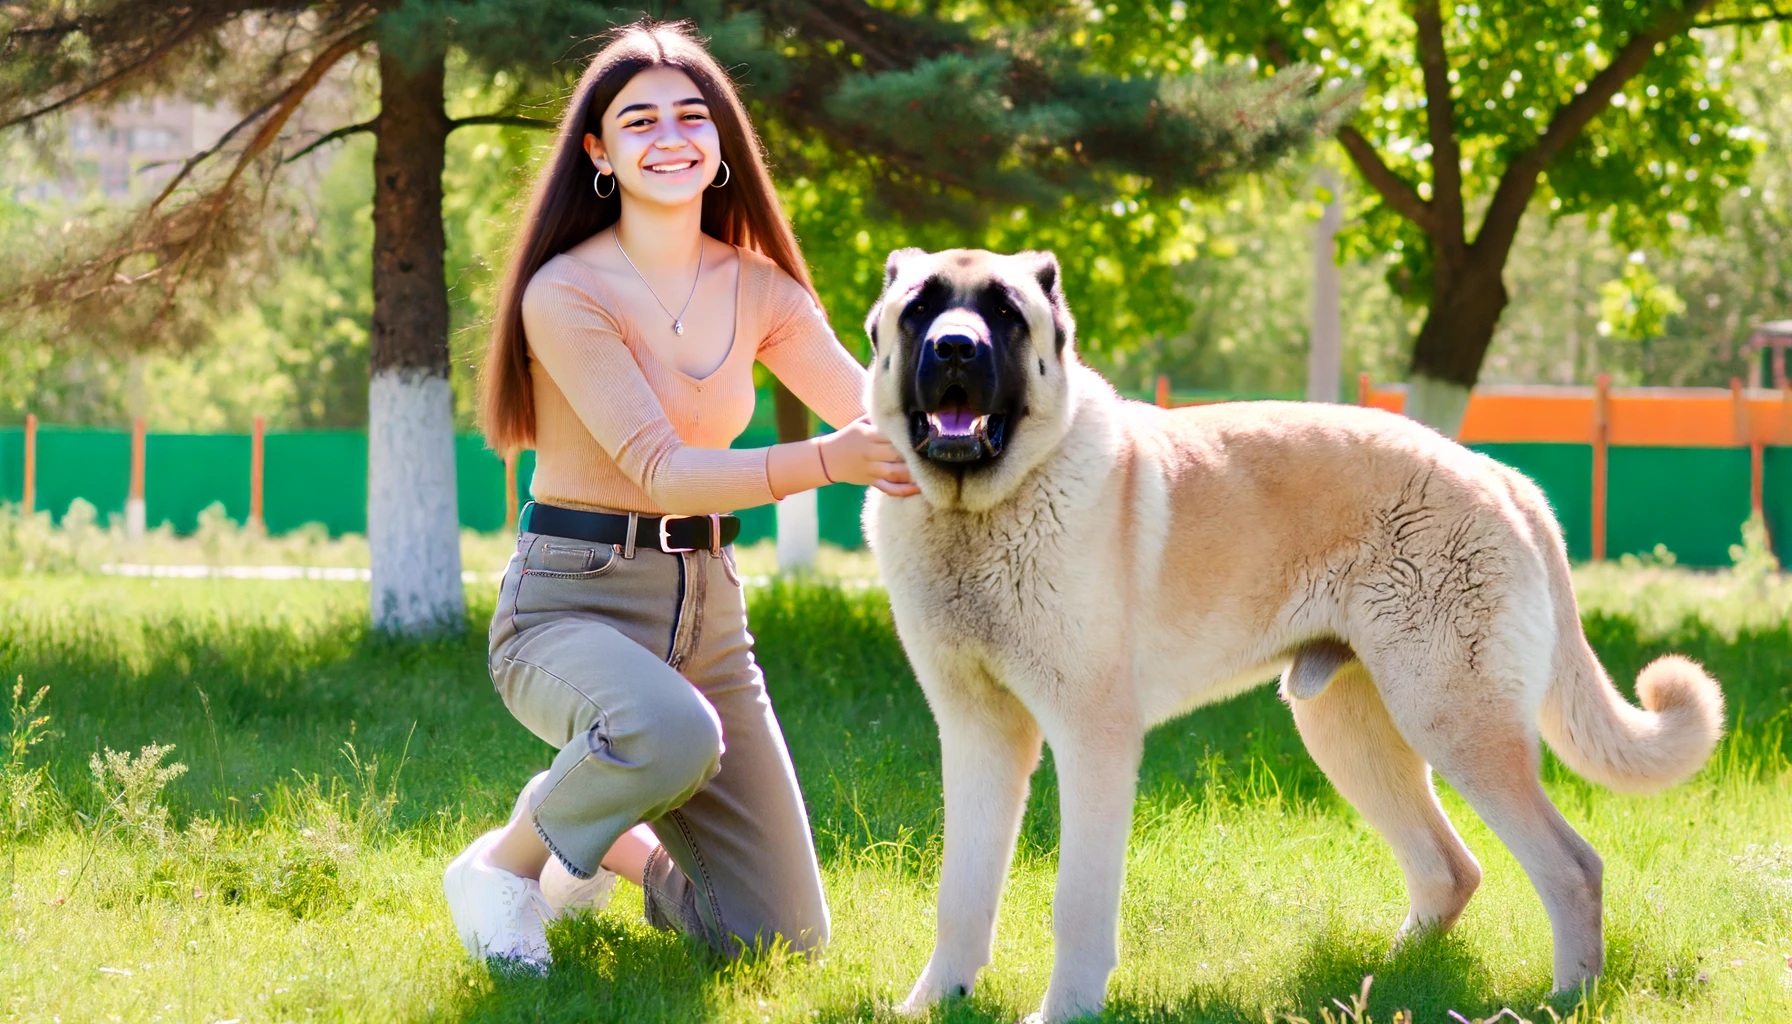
<point>1079,567</point>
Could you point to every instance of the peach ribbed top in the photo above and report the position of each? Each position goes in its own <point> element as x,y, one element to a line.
<point>617,428</point>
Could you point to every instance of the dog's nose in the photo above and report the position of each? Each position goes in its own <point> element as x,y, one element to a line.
<point>955,348</point>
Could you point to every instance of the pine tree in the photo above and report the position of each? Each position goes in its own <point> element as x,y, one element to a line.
<point>953,116</point>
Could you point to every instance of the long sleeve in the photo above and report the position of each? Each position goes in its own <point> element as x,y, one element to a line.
<point>800,348</point>
<point>579,344</point>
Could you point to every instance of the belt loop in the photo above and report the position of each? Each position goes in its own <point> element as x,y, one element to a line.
<point>715,535</point>
<point>628,545</point>
<point>522,517</point>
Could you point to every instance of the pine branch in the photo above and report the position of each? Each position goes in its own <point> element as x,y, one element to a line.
<point>369,125</point>
<point>187,30</point>
<point>517,120</point>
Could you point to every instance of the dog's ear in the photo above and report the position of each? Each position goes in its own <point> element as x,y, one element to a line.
<point>892,267</point>
<point>1044,268</point>
<point>897,257</point>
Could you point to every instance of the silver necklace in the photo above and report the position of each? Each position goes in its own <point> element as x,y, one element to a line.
<point>677,318</point>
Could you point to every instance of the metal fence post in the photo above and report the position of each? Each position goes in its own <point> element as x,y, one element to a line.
<point>135,512</point>
<point>257,464</point>
<point>30,497</point>
<point>1602,433</point>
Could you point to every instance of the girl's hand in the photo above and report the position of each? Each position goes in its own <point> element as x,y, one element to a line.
<point>858,454</point>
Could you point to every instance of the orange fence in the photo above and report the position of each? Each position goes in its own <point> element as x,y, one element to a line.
<point>1603,418</point>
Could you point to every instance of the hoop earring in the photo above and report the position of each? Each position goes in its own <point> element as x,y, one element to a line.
<point>598,181</point>
<point>727,175</point>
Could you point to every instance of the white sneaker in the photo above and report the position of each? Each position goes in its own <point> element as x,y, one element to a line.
<point>498,915</point>
<point>559,886</point>
<point>565,892</point>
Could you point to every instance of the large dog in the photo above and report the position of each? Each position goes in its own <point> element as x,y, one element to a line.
<point>1079,567</point>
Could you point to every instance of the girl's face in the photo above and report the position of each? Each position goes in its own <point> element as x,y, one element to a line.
<point>658,140</point>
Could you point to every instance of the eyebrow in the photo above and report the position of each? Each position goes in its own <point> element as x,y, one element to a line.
<point>694,101</point>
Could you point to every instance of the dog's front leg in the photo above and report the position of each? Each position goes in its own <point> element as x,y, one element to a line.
<point>989,746</point>
<point>1097,779</point>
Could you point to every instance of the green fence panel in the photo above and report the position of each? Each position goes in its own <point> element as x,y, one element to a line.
<point>317,476</point>
<point>1691,499</point>
<point>1565,473</point>
<point>1776,497</point>
<point>75,462</point>
<point>839,506</point>
<point>12,464</point>
<point>478,484</point>
<point>183,473</point>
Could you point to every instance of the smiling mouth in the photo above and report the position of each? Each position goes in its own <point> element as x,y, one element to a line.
<point>672,167</point>
<point>955,432</point>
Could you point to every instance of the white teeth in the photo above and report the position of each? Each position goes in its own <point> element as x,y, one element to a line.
<point>672,168</point>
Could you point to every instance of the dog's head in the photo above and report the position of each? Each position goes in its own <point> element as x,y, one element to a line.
<point>969,357</point>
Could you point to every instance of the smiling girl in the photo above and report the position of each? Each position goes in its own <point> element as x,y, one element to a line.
<point>654,268</point>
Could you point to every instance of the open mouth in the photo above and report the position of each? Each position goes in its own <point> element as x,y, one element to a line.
<point>672,167</point>
<point>955,432</point>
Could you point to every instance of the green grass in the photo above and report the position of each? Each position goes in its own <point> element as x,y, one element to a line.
<point>297,874</point>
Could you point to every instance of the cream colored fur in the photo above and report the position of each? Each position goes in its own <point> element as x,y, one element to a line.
<point>1122,564</point>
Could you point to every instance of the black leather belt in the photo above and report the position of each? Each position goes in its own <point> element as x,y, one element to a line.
<point>670,534</point>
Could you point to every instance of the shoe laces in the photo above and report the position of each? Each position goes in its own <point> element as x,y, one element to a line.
<point>518,902</point>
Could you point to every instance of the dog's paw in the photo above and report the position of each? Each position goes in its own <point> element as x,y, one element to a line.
<point>930,988</point>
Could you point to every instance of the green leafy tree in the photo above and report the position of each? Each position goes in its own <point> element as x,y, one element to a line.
<point>941,119</point>
<point>1471,111</point>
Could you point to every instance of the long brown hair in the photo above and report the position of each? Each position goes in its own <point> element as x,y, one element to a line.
<point>564,209</point>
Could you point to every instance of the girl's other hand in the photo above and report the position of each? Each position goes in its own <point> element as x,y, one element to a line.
<point>858,454</point>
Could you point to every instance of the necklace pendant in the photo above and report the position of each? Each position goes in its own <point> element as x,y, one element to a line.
<point>678,327</point>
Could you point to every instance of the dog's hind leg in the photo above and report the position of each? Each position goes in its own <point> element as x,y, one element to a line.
<point>989,746</point>
<point>1485,749</point>
<point>1347,730</point>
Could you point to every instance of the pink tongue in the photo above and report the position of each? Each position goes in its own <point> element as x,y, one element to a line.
<point>957,421</point>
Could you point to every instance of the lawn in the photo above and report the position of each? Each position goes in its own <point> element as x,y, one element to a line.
<point>294,874</point>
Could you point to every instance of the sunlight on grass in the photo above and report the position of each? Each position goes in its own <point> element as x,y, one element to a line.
<point>295,870</point>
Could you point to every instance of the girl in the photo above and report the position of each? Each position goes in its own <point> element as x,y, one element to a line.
<point>654,267</point>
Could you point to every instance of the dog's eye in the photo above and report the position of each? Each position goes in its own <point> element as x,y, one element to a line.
<point>917,308</point>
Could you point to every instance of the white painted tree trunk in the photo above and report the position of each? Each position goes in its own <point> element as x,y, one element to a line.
<point>1325,355</point>
<point>799,532</point>
<point>1438,404</point>
<point>413,517</point>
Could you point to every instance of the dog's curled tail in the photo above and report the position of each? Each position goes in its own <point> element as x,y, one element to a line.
<point>1603,737</point>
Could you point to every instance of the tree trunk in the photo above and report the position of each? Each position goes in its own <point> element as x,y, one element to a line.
<point>791,414</point>
<point>1447,357</point>
<point>799,522</point>
<point>413,521</point>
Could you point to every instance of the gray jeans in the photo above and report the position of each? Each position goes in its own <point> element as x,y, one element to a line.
<point>641,671</point>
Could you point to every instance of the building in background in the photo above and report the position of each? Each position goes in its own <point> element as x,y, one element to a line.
<point>125,151</point>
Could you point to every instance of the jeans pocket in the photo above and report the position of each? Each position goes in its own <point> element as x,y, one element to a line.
<point>557,581</point>
<point>729,566</point>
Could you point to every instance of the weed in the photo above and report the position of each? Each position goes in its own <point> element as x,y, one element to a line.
<point>23,786</point>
